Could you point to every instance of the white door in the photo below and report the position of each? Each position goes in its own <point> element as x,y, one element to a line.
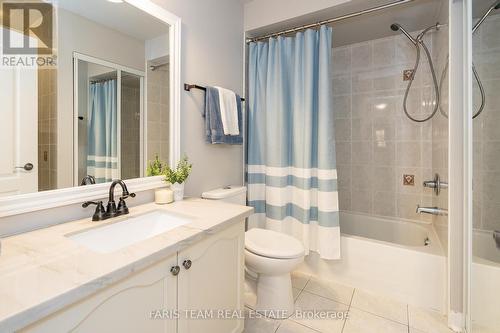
<point>212,283</point>
<point>18,130</point>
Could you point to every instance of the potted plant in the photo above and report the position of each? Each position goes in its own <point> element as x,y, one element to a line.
<point>163,195</point>
<point>155,167</point>
<point>177,177</point>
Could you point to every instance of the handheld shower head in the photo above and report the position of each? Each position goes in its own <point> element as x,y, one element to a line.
<point>396,27</point>
<point>494,6</point>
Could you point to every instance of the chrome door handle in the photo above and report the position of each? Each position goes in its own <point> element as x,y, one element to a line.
<point>187,264</point>
<point>27,167</point>
<point>175,270</point>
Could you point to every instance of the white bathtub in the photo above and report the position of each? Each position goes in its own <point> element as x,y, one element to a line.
<point>389,257</point>
<point>485,283</point>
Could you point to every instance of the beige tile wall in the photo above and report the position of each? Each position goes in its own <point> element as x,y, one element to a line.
<point>376,143</point>
<point>486,178</point>
<point>47,129</point>
<point>130,128</point>
<point>158,112</point>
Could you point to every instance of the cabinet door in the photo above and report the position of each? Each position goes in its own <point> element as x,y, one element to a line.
<point>128,306</point>
<point>213,283</point>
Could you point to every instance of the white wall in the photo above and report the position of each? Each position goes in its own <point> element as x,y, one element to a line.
<point>157,47</point>
<point>260,13</point>
<point>212,54</point>
<point>77,34</point>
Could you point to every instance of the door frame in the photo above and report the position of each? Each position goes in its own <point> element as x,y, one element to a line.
<point>460,165</point>
<point>77,57</point>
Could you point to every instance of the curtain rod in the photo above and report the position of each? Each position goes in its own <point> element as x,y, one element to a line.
<point>332,20</point>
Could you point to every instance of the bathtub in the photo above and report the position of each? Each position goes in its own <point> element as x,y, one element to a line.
<point>401,259</point>
<point>485,283</point>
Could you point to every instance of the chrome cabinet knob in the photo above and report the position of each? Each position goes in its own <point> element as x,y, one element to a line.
<point>175,270</point>
<point>27,167</point>
<point>187,264</point>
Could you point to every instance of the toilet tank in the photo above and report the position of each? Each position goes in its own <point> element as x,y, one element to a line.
<point>231,194</point>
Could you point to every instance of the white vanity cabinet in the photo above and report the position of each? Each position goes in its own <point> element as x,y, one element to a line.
<point>210,278</point>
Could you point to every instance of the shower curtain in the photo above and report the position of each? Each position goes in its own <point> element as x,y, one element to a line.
<point>291,168</point>
<point>102,158</point>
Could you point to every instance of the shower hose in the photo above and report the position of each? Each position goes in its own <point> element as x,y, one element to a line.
<point>420,44</point>
<point>479,83</point>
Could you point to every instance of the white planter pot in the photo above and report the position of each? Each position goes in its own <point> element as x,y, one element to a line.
<point>164,196</point>
<point>178,191</point>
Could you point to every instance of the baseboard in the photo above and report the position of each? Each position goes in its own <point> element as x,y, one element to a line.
<point>456,321</point>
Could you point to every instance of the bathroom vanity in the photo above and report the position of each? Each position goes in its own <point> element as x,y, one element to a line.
<point>186,279</point>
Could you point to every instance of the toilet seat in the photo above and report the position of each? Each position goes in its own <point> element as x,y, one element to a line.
<point>272,244</point>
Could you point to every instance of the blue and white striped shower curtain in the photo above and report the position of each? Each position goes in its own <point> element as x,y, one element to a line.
<point>291,167</point>
<point>102,157</point>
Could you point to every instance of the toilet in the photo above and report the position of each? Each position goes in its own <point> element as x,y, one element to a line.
<point>270,256</point>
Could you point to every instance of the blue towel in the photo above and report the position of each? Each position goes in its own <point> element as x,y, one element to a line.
<point>214,132</point>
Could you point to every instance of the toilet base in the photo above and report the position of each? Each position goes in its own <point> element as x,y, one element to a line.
<point>274,296</point>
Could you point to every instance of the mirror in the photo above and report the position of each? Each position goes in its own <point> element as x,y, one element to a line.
<point>87,94</point>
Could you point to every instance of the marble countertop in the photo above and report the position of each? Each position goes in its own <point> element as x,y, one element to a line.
<point>43,271</point>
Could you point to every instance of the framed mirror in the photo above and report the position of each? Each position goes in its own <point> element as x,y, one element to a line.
<point>91,91</point>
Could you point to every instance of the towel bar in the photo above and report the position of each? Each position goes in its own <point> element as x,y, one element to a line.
<point>188,87</point>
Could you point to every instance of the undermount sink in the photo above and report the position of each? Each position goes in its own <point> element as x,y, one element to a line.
<point>129,231</point>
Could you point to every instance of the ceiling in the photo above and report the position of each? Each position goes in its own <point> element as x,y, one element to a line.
<point>413,16</point>
<point>122,17</point>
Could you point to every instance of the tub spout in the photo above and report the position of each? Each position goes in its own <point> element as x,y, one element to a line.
<point>432,211</point>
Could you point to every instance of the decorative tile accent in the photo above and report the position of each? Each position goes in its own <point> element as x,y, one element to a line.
<point>409,180</point>
<point>408,74</point>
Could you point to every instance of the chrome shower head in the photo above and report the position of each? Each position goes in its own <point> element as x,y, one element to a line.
<point>396,27</point>
<point>494,6</point>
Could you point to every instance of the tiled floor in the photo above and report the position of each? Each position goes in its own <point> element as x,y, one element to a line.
<point>367,313</point>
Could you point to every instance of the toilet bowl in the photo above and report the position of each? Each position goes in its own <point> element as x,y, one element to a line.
<point>273,256</point>
<point>270,257</point>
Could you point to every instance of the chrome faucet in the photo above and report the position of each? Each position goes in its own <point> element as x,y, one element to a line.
<point>432,211</point>
<point>112,210</point>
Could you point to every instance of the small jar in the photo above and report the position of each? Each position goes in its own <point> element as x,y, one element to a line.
<point>164,196</point>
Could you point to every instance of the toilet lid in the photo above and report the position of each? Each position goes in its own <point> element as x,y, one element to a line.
<point>272,244</point>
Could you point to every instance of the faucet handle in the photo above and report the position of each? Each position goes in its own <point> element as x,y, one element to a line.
<point>100,212</point>
<point>122,207</point>
<point>126,195</point>
<point>88,203</point>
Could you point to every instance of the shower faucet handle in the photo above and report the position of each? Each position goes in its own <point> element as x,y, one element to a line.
<point>437,184</point>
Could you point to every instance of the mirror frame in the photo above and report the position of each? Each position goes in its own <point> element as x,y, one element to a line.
<point>25,203</point>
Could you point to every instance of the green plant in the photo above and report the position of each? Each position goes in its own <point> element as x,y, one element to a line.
<point>181,172</point>
<point>155,167</point>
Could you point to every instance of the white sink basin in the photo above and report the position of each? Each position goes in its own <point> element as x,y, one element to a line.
<point>129,231</point>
